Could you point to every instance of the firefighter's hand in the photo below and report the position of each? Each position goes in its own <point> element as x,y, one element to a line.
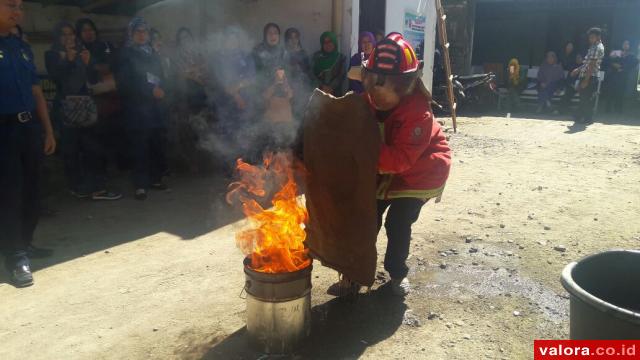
<point>575,72</point>
<point>158,93</point>
<point>49,144</point>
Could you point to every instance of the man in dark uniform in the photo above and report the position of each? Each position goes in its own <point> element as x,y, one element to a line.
<point>25,134</point>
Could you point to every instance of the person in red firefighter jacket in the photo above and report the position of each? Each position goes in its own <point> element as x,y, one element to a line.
<point>414,158</point>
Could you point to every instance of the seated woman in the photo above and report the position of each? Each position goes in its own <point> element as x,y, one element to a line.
<point>366,43</point>
<point>514,85</point>
<point>550,77</point>
<point>570,82</point>
<point>329,65</point>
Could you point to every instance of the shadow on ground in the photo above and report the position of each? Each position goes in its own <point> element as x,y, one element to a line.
<point>628,119</point>
<point>340,329</point>
<point>193,207</point>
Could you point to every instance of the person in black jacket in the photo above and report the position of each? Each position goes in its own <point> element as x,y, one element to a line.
<point>140,81</point>
<point>68,64</point>
<point>102,52</point>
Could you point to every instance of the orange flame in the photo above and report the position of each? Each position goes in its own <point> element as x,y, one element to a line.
<point>275,241</point>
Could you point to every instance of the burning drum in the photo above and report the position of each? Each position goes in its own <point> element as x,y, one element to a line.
<point>278,308</point>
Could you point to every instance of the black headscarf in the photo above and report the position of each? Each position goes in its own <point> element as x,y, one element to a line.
<point>81,23</point>
<point>264,34</point>
<point>57,34</point>
<point>289,33</point>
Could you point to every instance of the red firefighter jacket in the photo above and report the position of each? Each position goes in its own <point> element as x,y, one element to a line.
<point>414,158</point>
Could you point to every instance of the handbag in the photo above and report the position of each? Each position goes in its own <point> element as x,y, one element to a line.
<point>79,111</point>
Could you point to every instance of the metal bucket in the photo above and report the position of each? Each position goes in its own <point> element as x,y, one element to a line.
<point>605,296</point>
<point>278,309</point>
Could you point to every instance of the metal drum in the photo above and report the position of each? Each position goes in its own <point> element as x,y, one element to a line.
<point>278,309</point>
<point>605,296</point>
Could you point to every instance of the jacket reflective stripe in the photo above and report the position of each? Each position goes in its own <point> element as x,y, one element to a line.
<point>419,194</point>
<point>383,186</point>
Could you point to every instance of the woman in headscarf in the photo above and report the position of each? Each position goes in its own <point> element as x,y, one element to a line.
<point>191,70</point>
<point>141,84</point>
<point>514,85</point>
<point>366,43</point>
<point>268,55</point>
<point>568,56</point>
<point>621,66</point>
<point>329,65</point>
<point>550,76</point>
<point>570,82</point>
<point>298,68</point>
<point>233,94</point>
<point>103,86</point>
<point>67,64</point>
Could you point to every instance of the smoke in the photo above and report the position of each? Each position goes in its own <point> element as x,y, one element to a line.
<point>224,130</point>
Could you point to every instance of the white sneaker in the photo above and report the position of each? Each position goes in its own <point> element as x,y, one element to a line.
<point>401,287</point>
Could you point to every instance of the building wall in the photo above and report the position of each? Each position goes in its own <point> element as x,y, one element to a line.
<point>39,22</point>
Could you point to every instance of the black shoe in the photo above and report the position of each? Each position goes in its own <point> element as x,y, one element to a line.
<point>106,195</point>
<point>21,275</point>
<point>160,186</point>
<point>79,194</point>
<point>38,253</point>
<point>141,194</point>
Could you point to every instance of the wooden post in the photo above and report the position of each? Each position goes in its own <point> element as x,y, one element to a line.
<point>442,27</point>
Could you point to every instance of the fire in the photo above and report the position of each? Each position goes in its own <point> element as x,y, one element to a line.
<point>275,240</point>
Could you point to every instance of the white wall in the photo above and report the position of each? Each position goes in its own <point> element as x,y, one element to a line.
<point>39,22</point>
<point>395,22</point>
<point>350,27</point>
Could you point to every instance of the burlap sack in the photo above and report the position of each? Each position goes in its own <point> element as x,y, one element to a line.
<point>341,146</point>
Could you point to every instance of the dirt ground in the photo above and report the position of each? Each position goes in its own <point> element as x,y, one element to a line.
<point>161,279</point>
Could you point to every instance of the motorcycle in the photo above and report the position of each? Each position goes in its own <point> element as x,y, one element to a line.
<point>477,92</point>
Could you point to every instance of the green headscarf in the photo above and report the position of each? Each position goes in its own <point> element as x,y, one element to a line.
<point>325,61</point>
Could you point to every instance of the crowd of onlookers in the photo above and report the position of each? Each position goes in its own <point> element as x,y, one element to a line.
<point>149,107</point>
<point>557,76</point>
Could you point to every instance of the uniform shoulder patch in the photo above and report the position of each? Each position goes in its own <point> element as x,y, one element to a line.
<point>417,132</point>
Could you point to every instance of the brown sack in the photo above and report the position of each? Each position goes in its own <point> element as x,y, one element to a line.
<point>341,146</point>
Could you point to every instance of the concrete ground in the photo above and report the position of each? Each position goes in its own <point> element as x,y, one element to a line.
<point>161,279</point>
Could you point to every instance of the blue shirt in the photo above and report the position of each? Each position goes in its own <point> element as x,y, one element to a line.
<point>17,76</point>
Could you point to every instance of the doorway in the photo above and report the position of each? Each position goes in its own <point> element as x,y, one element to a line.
<point>372,15</point>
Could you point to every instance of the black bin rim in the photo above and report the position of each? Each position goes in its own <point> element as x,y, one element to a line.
<point>576,290</point>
